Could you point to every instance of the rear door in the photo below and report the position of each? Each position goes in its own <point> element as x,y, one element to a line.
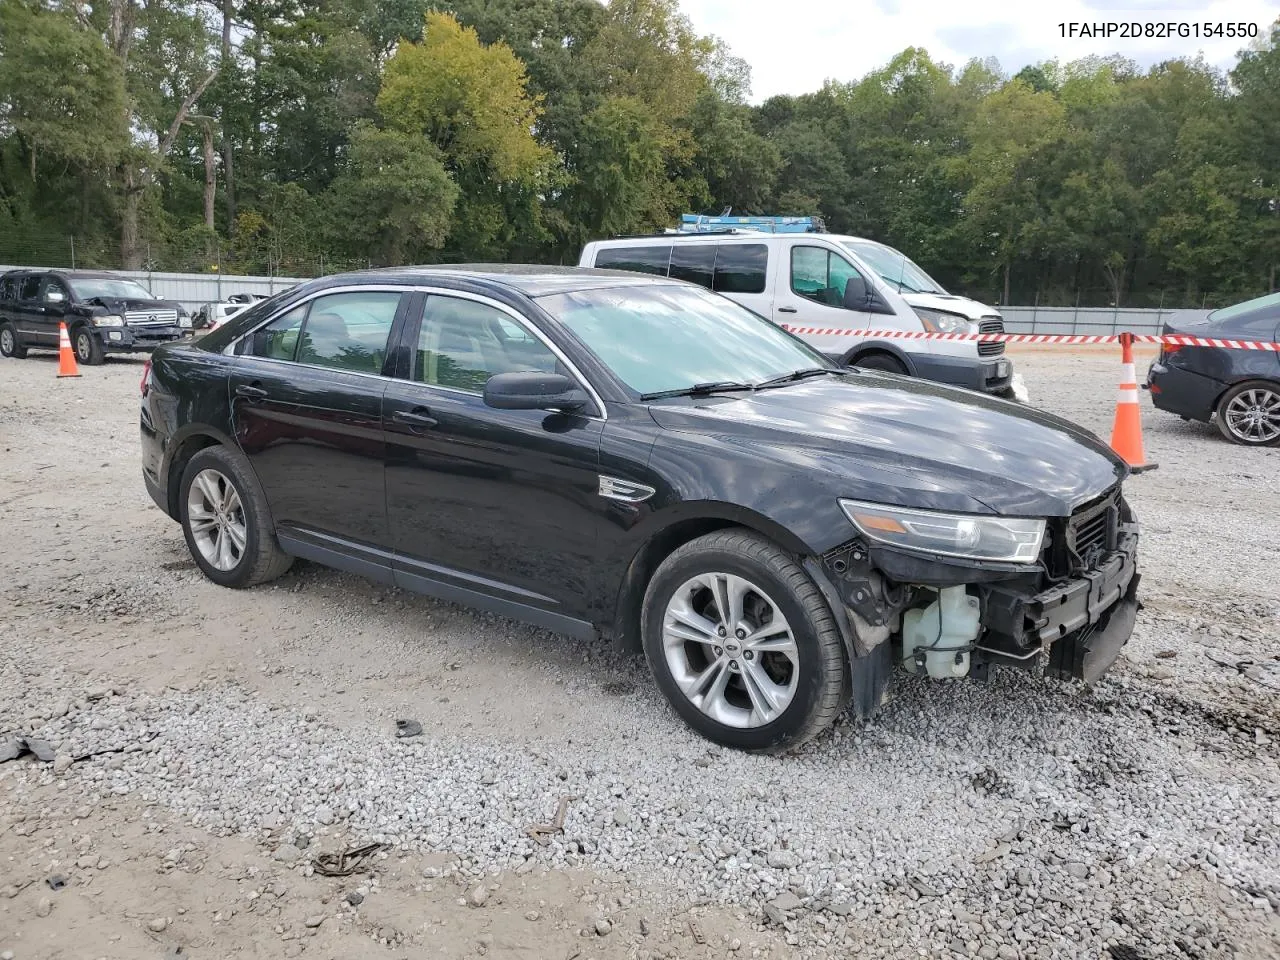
<point>29,314</point>
<point>306,402</point>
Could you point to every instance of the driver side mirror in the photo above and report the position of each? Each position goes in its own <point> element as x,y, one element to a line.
<point>533,391</point>
<point>54,296</point>
<point>855,294</point>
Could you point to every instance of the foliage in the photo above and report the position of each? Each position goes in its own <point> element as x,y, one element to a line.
<point>355,132</point>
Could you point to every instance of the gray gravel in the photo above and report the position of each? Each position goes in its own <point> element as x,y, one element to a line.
<point>980,808</point>
<point>1020,818</point>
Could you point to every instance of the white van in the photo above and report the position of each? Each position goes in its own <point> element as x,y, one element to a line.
<point>836,291</point>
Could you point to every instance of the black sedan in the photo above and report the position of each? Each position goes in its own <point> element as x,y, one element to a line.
<point>602,452</point>
<point>1238,388</point>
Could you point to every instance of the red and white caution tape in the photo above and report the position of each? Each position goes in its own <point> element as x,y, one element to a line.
<point>1173,340</point>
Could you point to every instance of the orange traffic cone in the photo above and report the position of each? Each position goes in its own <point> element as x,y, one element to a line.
<point>1126,433</point>
<point>66,356</point>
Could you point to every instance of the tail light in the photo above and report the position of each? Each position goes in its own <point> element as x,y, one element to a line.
<point>145,385</point>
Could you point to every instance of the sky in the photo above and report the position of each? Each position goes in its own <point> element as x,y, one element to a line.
<point>793,46</point>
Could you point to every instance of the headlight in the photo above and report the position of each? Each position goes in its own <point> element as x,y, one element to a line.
<point>1003,539</point>
<point>184,321</point>
<point>110,320</point>
<point>935,321</point>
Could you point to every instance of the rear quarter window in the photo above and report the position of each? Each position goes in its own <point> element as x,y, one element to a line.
<point>740,267</point>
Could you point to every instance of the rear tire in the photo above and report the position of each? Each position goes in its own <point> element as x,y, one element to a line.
<point>768,694</point>
<point>87,347</point>
<point>9,346</point>
<point>1249,414</point>
<point>880,361</point>
<point>227,522</point>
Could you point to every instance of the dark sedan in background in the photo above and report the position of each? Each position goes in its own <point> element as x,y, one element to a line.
<point>1238,388</point>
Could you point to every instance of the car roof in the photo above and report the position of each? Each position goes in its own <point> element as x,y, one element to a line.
<point>69,274</point>
<point>530,279</point>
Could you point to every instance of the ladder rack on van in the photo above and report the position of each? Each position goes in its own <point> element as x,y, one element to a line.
<point>697,223</point>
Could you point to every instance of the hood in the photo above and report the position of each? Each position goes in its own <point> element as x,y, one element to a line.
<point>952,304</point>
<point>131,305</point>
<point>911,442</point>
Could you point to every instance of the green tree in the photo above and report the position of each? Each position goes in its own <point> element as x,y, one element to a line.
<point>395,201</point>
<point>1016,129</point>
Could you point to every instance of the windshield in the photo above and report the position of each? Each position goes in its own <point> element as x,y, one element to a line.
<point>110,288</point>
<point>894,267</point>
<point>657,338</point>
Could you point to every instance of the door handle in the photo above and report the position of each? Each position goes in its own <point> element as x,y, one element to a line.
<point>786,309</point>
<point>419,417</point>
<point>251,392</point>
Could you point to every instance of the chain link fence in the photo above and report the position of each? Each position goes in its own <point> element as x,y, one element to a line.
<point>185,253</point>
<point>197,252</point>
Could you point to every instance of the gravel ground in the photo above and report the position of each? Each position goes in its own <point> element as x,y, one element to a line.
<point>1017,818</point>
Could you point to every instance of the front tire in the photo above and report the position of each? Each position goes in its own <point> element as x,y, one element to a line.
<point>226,521</point>
<point>9,343</point>
<point>1249,414</point>
<point>880,361</point>
<point>768,674</point>
<point>87,347</point>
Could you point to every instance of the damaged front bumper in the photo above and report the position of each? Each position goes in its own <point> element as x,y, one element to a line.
<point>1084,622</point>
<point>1074,625</point>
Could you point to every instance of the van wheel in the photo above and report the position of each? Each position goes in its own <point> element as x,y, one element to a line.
<point>9,343</point>
<point>742,644</point>
<point>880,361</point>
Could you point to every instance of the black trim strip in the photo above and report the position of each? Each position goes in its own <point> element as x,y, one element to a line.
<point>388,567</point>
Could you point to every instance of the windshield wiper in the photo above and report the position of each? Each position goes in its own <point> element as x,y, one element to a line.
<point>698,390</point>
<point>795,375</point>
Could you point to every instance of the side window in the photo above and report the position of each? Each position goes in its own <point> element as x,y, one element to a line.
<point>740,267</point>
<point>348,331</point>
<point>839,272</point>
<point>462,343</point>
<point>819,275</point>
<point>6,288</point>
<point>278,340</point>
<point>694,262</point>
<point>640,259</point>
<point>53,290</point>
<point>30,289</point>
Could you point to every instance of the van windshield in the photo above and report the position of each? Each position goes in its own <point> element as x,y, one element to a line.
<point>895,267</point>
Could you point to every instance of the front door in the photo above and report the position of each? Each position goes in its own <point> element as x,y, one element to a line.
<point>54,298</point>
<point>488,502</point>
<point>810,295</point>
<point>306,402</point>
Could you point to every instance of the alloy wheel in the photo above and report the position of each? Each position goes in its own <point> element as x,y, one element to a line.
<point>6,341</point>
<point>730,650</point>
<point>84,347</point>
<point>216,518</point>
<point>1254,415</point>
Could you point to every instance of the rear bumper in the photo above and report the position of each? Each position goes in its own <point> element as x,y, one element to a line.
<point>986,374</point>
<point>1183,392</point>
